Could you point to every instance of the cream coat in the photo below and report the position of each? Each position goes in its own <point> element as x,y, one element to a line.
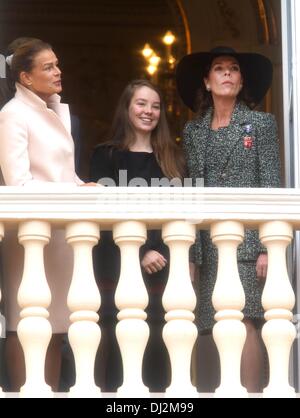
<point>36,148</point>
<point>35,141</point>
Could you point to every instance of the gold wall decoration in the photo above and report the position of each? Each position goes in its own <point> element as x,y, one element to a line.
<point>186,26</point>
<point>229,17</point>
<point>266,21</point>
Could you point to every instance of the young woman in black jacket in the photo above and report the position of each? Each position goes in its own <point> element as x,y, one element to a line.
<point>139,151</point>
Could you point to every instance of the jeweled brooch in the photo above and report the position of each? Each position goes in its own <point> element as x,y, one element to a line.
<point>248,138</point>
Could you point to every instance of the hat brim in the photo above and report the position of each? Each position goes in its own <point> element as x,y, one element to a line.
<point>257,71</point>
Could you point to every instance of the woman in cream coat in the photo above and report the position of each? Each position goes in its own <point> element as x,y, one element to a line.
<point>36,148</point>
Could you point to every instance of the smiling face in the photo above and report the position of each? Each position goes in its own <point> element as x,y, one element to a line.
<point>224,78</point>
<point>144,110</point>
<point>45,77</point>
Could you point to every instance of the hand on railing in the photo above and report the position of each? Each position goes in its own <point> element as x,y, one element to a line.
<point>262,266</point>
<point>153,262</point>
<point>91,184</point>
<point>193,271</point>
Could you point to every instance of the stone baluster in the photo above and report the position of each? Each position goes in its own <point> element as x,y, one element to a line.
<point>34,298</point>
<point>131,299</point>
<point>179,301</point>
<point>2,321</point>
<point>229,300</point>
<point>278,301</point>
<point>84,302</point>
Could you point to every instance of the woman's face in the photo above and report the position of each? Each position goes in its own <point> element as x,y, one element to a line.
<point>144,110</point>
<point>45,77</point>
<point>224,78</point>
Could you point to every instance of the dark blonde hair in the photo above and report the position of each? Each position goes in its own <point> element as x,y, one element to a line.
<point>122,134</point>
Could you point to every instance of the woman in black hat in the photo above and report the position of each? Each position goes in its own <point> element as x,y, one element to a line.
<point>230,145</point>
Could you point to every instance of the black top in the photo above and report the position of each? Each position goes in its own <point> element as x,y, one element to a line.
<point>107,162</point>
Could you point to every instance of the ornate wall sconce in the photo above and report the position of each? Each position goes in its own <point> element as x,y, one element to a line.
<point>155,62</point>
<point>160,68</point>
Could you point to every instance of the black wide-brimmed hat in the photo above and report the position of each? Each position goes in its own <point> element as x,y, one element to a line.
<point>257,71</point>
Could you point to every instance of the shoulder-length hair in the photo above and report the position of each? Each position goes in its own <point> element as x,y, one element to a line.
<point>122,133</point>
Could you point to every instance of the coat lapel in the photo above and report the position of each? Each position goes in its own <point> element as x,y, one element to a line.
<point>61,110</point>
<point>240,117</point>
<point>201,137</point>
<point>236,131</point>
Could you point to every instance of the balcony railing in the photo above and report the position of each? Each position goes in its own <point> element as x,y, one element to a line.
<point>85,212</point>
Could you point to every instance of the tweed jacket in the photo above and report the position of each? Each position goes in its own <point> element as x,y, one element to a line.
<point>256,165</point>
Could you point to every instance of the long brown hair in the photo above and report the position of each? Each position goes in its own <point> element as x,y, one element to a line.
<point>122,134</point>
<point>204,99</point>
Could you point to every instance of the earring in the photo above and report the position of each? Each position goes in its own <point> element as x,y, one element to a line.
<point>208,88</point>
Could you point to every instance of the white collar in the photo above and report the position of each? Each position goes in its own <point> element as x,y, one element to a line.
<point>27,96</point>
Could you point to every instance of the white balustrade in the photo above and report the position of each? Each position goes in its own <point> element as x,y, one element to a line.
<point>84,302</point>
<point>226,211</point>
<point>34,298</point>
<point>131,299</point>
<point>179,301</point>
<point>278,301</point>
<point>229,300</point>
